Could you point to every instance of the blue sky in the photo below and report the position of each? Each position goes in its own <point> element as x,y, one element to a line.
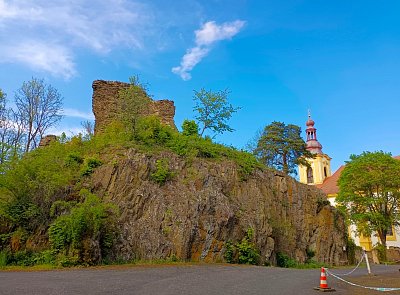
<point>341,59</point>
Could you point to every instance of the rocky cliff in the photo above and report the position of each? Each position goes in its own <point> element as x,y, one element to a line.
<point>106,104</point>
<point>206,204</point>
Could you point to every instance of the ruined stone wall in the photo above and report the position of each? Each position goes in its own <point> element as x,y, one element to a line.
<point>106,104</point>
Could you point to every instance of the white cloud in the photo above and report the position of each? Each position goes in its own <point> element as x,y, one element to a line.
<point>211,32</point>
<point>192,57</point>
<point>97,25</point>
<point>51,58</point>
<point>206,36</point>
<point>78,114</point>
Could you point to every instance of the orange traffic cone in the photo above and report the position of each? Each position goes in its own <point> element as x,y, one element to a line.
<point>323,285</point>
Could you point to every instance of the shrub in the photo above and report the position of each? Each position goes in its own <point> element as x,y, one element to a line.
<point>243,252</point>
<point>4,258</point>
<point>190,128</point>
<point>283,260</point>
<point>73,160</point>
<point>229,254</point>
<point>381,251</point>
<point>91,164</point>
<point>150,131</point>
<point>162,173</point>
<point>91,221</point>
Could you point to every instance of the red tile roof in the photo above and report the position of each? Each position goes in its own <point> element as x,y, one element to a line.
<point>330,186</point>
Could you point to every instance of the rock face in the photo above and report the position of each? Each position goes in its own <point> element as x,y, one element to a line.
<point>106,106</point>
<point>206,204</point>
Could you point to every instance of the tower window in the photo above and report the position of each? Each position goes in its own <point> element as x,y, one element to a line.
<point>310,177</point>
<point>325,174</point>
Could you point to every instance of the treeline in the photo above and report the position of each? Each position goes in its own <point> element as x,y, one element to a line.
<point>37,107</point>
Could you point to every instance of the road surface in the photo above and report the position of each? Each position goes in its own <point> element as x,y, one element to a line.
<point>184,279</point>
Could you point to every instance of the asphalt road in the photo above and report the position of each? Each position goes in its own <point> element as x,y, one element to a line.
<point>187,279</point>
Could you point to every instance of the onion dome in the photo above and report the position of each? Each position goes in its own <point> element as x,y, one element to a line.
<point>312,144</point>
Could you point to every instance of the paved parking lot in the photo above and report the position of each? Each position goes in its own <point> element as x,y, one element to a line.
<point>185,279</point>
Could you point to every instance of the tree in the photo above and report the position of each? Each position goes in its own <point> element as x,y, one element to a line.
<point>11,133</point>
<point>281,146</point>
<point>134,102</point>
<point>88,129</point>
<point>190,127</point>
<point>38,107</point>
<point>213,110</point>
<point>369,191</point>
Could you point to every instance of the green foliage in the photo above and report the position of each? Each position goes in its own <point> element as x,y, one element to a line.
<point>283,260</point>
<point>73,160</point>
<point>134,103</point>
<point>243,252</point>
<point>190,128</point>
<point>381,249</point>
<point>351,249</point>
<point>229,254</point>
<point>369,192</point>
<point>280,146</point>
<point>213,110</point>
<point>162,173</point>
<point>4,258</point>
<point>90,165</point>
<point>248,252</point>
<point>150,131</point>
<point>91,221</point>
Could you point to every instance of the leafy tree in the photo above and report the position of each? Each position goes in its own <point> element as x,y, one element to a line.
<point>369,191</point>
<point>190,127</point>
<point>281,146</point>
<point>38,107</point>
<point>213,110</point>
<point>134,102</point>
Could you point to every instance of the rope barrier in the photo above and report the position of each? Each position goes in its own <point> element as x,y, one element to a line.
<point>365,287</point>
<point>349,273</point>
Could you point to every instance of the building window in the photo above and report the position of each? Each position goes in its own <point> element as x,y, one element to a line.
<point>325,174</point>
<point>310,178</point>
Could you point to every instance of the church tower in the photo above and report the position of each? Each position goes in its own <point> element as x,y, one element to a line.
<point>321,164</point>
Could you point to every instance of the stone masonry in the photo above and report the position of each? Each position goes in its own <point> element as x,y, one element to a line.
<point>105,104</point>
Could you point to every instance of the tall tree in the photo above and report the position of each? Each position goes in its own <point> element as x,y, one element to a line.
<point>213,110</point>
<point>280,146</point>
<point>11,134</point>
<point>134,102</point>
<point>38,107</point>
<point>369,191</point>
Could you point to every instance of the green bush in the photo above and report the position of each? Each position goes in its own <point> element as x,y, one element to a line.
<point>283,260</point>
<point>91,164</point>
<point>150,131</point>
<point>4,258</point>
<point>243,252</point>
<point>73,160</point>
<point>162,173</point>
<point>91,221</point>
<point>229,254</point>
<point>381,252</point>
<point>190,128</point>
<point>351,249</point>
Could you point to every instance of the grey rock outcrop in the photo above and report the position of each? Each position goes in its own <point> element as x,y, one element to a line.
<point>206,204</point>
